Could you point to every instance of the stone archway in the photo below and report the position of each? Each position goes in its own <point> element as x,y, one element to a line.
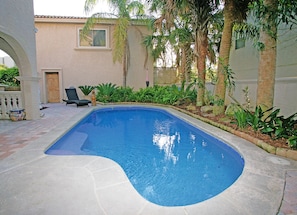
<point>17,39</point>
<point>29,80</point>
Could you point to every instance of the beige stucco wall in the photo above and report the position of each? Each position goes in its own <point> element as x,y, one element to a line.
<point>244,63</point>
<point>165,76</point>
<point>58,50</point>
<point>17,38</point>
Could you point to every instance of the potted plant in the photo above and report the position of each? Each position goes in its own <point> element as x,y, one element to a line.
<point>17,114</point>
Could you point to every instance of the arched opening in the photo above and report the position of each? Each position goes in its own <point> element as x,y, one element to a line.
<point>8,73</point>
<point>29,94</point>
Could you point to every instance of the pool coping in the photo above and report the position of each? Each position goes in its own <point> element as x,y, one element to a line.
<point>259,190</point>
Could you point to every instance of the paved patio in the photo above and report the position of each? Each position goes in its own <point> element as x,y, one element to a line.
<point>34,183</point>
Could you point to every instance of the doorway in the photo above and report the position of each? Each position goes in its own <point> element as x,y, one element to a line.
<point>52,87</point>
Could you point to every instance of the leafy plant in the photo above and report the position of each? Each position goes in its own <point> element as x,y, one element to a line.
<point>217,101</point>
<point>292,142</point>
<point>86,90</point>
<point>123,94</point>
<point>105,92</point>
<point>7,76</point>
<point>279,126</point>
<point>241,117</point>
<point>145,94</point>
<point>274,125</point>
<point>186,94</point>
<point>247,104</point>
<point>230,83</point>
<point>172,95</point>
<point>254,119</point>
<point>209,98</point>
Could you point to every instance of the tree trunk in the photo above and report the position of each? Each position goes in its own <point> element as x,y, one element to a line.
<point>183,64</point>
<point>220,88</point>
<point>189,59</point>
<point>125,65</point>
<point>267,63</point>
<point>202,44</point>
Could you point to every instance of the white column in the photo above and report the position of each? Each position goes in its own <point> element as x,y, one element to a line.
<point>30,93</point>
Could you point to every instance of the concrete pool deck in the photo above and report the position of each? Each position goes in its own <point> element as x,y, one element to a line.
<point>32,182</point>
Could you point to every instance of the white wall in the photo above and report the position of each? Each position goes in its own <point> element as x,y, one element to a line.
<point>244,63</point>
<point>7,61</point>
<point>17,39</point>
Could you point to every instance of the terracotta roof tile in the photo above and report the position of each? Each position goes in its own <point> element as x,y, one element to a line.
<point>59,17</point>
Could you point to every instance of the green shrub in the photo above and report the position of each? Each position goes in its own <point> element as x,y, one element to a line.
<point>292,141</point>
<point>86,90</point>
<point>241,117</point>
<point>278,126</point>
<point>146,94</point>
<point>105,92</point>
<point>209,98</point>
<point>171,95</point>
<point>7,76</point>
<point>273,125</point>
<point>255,119</point>
<point>187,94</point>
<point>123,94</point>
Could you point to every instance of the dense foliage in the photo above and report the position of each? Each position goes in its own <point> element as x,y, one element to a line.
<point>7,76</point>
<point>269,122</point>
<point>172,95</point>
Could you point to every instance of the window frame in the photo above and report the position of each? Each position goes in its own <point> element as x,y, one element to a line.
<point>240,43</point>
<point>94,47</point>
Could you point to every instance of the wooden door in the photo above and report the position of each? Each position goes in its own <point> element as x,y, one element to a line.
<point>53,90</point>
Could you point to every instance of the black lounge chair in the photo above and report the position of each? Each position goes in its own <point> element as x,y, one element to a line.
<point>73,98</point>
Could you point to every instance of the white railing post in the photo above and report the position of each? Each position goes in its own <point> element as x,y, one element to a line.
<point>9,100</point>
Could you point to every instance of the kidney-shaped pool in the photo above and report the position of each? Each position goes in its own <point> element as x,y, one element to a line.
<point>168,161</point>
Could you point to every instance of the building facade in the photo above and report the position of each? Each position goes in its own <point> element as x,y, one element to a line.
<point>17,39</point>
<point>244,60</point>
<point>67,59</point>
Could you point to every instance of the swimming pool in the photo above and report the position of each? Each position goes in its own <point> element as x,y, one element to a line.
<point>168,161</point>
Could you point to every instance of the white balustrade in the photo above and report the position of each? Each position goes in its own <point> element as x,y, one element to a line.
<point>9,100</point>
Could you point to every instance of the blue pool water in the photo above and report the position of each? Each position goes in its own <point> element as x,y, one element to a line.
<point>168,161</point>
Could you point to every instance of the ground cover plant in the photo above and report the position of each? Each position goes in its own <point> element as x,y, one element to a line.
<point>269,126</point>
<point>269,122</point>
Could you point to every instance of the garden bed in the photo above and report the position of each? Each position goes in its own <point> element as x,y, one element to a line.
<point>278,147</point>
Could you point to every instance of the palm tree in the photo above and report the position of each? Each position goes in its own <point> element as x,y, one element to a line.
<point>267,61</point>
<point>196,17</point>
<point>234,11</point>
<point>171,29</point>
<point>201,14</point>
<point>269,14</point>
<point>124,9</point>
<point>181,39</point>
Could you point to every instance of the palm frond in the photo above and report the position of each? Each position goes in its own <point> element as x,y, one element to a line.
<point>246,30</point>
<point>120,38</point>
<point>135,8</point>
<point>89,5</point>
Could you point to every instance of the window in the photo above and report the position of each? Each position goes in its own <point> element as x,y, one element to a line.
<point>239,43</point>
<point>94,38</point>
